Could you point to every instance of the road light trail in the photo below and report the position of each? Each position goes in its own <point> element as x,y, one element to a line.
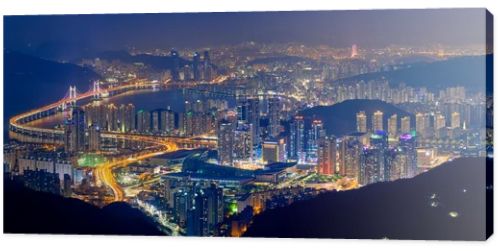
<point>105,171</point>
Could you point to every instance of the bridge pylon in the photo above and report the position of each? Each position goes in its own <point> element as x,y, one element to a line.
<point>96,89</point>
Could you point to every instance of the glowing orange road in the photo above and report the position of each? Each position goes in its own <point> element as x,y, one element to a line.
<point>104,172</point>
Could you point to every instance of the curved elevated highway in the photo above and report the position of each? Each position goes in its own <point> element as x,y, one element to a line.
<point>21,130</point>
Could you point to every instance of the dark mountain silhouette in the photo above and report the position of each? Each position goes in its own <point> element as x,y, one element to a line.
<point>31,82</point>
<point>473,72</point>
<point>28,211</point>
<point>340,119</point>
<point>158,63</point>
<point>62,51</point>
<point>396,210</point>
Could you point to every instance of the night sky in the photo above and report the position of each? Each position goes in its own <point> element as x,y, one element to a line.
<point>337,28</point>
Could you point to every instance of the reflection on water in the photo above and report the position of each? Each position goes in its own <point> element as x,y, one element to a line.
<point>48,122</point>
<point>142,99</point>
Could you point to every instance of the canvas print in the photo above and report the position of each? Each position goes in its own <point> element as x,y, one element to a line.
<point>363,124</point>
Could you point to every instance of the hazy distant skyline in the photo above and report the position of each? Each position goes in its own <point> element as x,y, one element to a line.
<point>367,28</point>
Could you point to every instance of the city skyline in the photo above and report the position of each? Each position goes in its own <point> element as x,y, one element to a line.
<point>205,141</point>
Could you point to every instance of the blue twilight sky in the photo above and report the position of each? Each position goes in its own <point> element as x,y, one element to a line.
<point>370,28</point>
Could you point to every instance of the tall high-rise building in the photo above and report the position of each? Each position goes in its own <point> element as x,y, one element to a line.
<point>225,146</point>
<point>156,120</point>
<point>143,121</point>
<point>439,121</point>
<point>408,148</point>
<point>392,126</point>
<point>186,73</point>
<point>68,134</point>
<point>420,124</point>
<point>206,211</point>
<point>274,116</point>
<point>96,114</point>
<point>196,67</point>
<point>405,124</point>
<point>372,166</point>
<point>455,120</point>
<point>349,156</point>
<point>327,155</point>
<point>111,117</point>
<point>379,139</point>
<point>297,139</point>
<point>249,112</point>
<point>126,118</point>
<point>361,122</point>
<point>215,205</point>
<point>197,216</point>
<point>183,201</point>
<point>74,133</point>
<point>253,117</point>
<point>207,66</point>
<point>181,123</point>
<point>94,138</point>
<point>174,71</point>
<point>243,145</point>
<point>316,133</point>
<point>168,121</point>
<point>378,121</point>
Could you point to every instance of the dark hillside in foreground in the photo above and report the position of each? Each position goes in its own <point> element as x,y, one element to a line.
<point>27,211</point>
<point>395,210</point>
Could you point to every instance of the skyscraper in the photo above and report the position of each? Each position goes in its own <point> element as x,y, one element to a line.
<point>168,121</point>
<point>207,211</point>
<point>126,118</point>
<point>421,122</point>
<point>372,166</point>
<point>225,146</point>
<point>249,112</point>
<point>207,66</point>
<point>297,139</point>
<point>439,121</point>
<point>94,138</point>
<point>74,131</point>
<point>196,67</point>
<point>274,116</point>
<point>455,120</point>
<point>243,145</point>
<point>143,121</point>
<point>111,117</point>
<point>408,148</point>
<point>327,155</point>
<point>405,124</point>
<point>316,133</point>
<point>197,216</point>
<point>378,121</point>
<point>156,120</point>
<point>361,122</point>
<point>349,156</point>
<point>175,65</point>
<point>215,206</point>
<point>392,125</point>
